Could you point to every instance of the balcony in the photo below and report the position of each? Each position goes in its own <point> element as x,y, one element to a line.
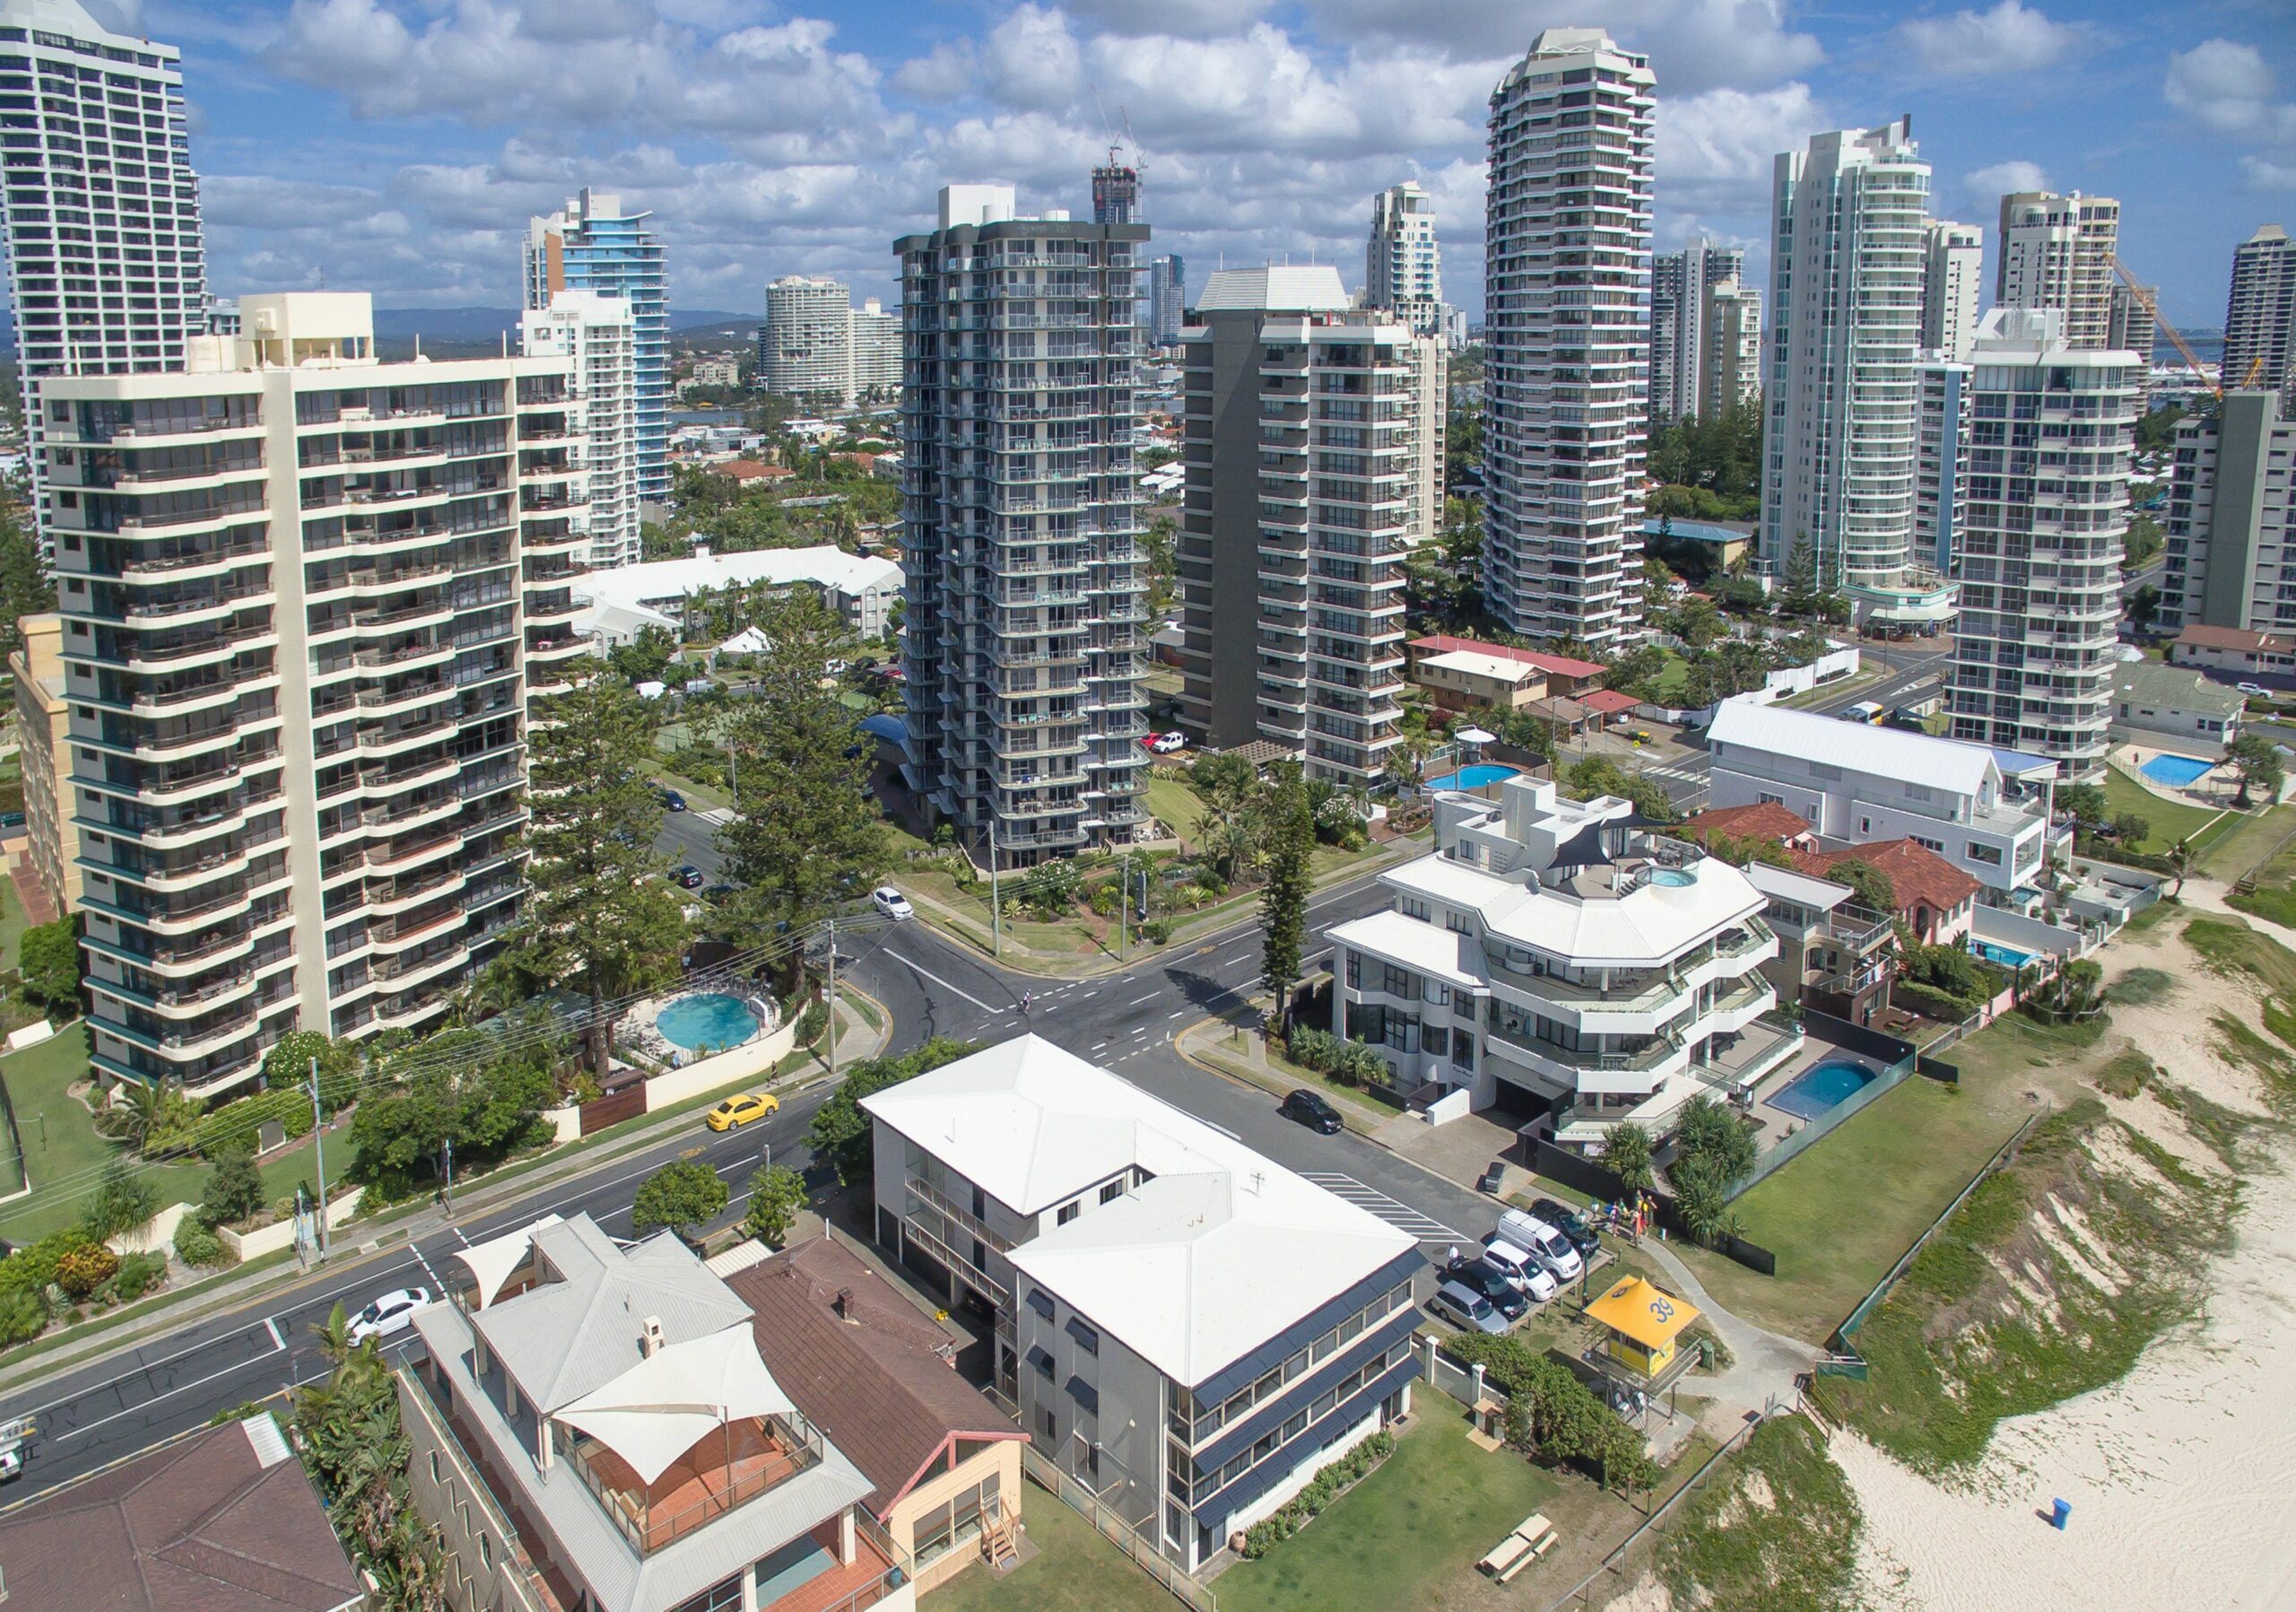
<point>724,1470</point>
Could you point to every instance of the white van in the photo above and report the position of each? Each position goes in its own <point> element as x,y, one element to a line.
<point>1529,1275</point>
<point>1543,1243</point>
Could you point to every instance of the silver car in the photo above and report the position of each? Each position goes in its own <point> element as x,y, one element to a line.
<point>1467,1310</point>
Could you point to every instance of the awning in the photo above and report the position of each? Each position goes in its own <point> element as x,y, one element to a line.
<point>490,1263</point>
<point>1475,736</point>
<point>661,1407</point>
<point>1650,1316</point>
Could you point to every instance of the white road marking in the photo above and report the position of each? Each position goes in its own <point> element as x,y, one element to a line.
<point>1098,1045</point>
<point>1136,1001</point>
<point>1400,1215</point>
<point>271,1327</point>
<point>1180,1015</point>
<point>181,1388</point>
<point>944,984</point>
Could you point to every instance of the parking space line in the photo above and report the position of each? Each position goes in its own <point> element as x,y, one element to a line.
<point>1398,1214</point>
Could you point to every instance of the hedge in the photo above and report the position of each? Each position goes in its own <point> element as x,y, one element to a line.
<point>1934,1003</point>
<point>1322,1489</point>
<point>1349,1062</point>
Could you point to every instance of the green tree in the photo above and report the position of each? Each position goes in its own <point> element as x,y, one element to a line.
<point>678,1197</point>
<point>1872,886</point>
<point>144,1114</point>
<point>1291,842</point>
<point>1626,1153</point>
<point>49,955</point>
<point>2144,606</point>
<point>647,658</point>
<point>2086,802</point>
<point>599,917</point>
<point>1708,1130</point>
<point>805,833</point>
<point>2252,756</point>
<point>1801,573</point>
<point>839,1136</point>
<point>234,1189</point>
<point>1161,540</point>
<point>2142,541</point>
<point>2156,430</point>
<point>776,1195</point>
<point>25,588</point>
<point>2181,856</point>
<point>287,1066</point>
<point>457,1088</point>
<point>122,1201</point>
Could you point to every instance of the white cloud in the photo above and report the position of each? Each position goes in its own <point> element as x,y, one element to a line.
<point>2011,38</point>
<point>1716,152</point>
<point>1987,187</point>
<point>2229,89</point>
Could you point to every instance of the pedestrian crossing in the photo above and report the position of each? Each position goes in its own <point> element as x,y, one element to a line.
<point>1400,1215</point>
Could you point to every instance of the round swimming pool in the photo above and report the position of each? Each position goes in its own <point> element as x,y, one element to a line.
<point>1672,878</point>
<point>1474,776</point>
<point>710,1021</point>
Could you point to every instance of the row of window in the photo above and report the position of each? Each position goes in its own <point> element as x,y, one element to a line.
<point>1193,1426</point>
<point>1208,1483</point>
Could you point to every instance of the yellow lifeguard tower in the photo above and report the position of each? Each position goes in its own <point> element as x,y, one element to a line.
<point>1642,1326</point>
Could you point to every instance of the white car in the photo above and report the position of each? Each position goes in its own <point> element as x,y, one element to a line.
<point>891,902</point>
<point>2251,688</point>
<point>1164,744</point>
<point>1529,1277</point>
<point>389,1315</point>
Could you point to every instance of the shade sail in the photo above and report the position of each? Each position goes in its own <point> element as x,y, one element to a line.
<point>491,1262</point>
<point>1475,736</point>
<point>661,1407</point>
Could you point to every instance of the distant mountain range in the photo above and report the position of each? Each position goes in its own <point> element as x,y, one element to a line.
<point>396,328</point>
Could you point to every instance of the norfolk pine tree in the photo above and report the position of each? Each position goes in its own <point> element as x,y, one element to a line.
<point>1283,903</point>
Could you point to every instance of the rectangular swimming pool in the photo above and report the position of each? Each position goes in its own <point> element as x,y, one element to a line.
<point>1821,1086</point>
<point>2177,771</point>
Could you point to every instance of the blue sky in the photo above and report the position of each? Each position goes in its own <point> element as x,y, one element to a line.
<point>399,146</point>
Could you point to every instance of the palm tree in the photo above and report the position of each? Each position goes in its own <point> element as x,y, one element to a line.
<point>2181,858</point>
<point>335,1344</point>
<point>1408,761</point>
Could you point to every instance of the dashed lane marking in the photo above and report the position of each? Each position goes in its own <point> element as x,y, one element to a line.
<point>1400,1215</point>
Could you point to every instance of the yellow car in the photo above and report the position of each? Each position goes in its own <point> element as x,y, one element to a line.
<point>741,1109</point>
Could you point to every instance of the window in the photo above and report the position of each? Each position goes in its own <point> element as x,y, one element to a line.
<point>1040,1301</point>
<point>434,1466</point>
<point>1763,798</point>
<point>1111,1192</point>
<point>1087,1339</point>
<point>1040,1358</point>
<point>1922,839</point>
<point>1991,855</point>
<point>1068,1212</point>
<point>1462,1051</point>
<point>485,1549</point>
<point>1295,1426</point>
<point>1046,1424</point>
<point>957,1521</point>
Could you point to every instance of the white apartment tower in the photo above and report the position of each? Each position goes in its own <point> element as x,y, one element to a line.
<point>1313,449</point>
<point>107,269</point>
<point>1952,260</point>
<point>874,343</point>
<point>2231,538</point>
<point>305,598</point>
<point>2044,507</point>
<point>2057,251</point>
<point>1682,288</point>
<point>2133,327</point>
<point>814,343</point>
<point>1167,299</point>
<point>1024,576</point>
<point>1845,322</point>
<point>594,338</point>
<point>1944,442</point>
<point>2260,316</point>
<point>1732,376</point>
<point>1567,340</point>
<point>1403,267</point>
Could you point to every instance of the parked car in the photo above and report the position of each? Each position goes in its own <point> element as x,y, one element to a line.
<point>1523,1269</point>
<point>1311,1109</point>
<point>2255,689</point>
<point>687,876</point>
<point>1491,1179</point>
<point>1165,744</point>
<point>671,801</point>
<point>1543,1243</point>
<point>1481,1276</point>
<point>389,1315</point>
<point>891,902</point>
<point>1572,1224</point>
<point>737,1111</point>
<point>1467,1310</point>
<point>715,893</point>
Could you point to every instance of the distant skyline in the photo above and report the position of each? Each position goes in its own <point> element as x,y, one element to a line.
<point>400,146</point>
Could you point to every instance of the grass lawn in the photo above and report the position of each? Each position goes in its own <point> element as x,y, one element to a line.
<point>1074,1569</point>
<point>1407,1536</point>
<point>1838,1217</point>
<point>2170,822</point>
<point>2248,841</point>
<point>1176,804</point>
<point>2274,897</point>
<point>1673,676</point>
<point>14,921</point>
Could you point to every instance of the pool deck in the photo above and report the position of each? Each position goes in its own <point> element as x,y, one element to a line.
<point>1773,1121</point>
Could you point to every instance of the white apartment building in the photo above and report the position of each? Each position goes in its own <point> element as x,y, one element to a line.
<point>1312,441</point>
<point>2231,525</point>
<point>814,343</point>
<point>1682,288</point>
<point>1986,811</point>
<point>1840,452</point>
<point>1952,260</point>
<point>1567,340</point>
<point>1182,1324</point>
<point>1556,963</point>
<point>2260,315</point>
<point>1403,266</point>
<point>1167,299</point>
<point>862,589</point>
<point>2057,251</point>
<point>2133,327</point>
<point>2044,510</point>
<point>874,344</point>
<point>305,598</point>
<point>1027,588</point>
<point>1732,376</point>
<point>594,338</point>
<point>107,264</point>
<point>1943,447</point>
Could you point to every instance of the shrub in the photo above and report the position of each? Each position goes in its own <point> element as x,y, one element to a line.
<point>1322,1489</point>
<point>83,1269</point>
<point>1156,931</point>
<point>121,1202</point>
<point>234,1190</point>
<point>1551,1415</point>
<point>23,1316</point>
<point>812,1022</point>
<point>195,1244</point>
<point>137,1275</point>
<point>1105,900</point>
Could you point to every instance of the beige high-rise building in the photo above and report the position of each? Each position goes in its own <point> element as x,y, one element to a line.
<point>1952,258</point>
<point>1732,374</point>
<point>2057,251</point>
<point>305,598</point>
<point>1312,448</point>
<point>1682,291</point>
<point>42,720</point>
<point>2260,315</point>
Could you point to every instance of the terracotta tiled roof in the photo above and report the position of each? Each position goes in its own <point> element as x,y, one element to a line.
<point>876,1380</point>
<point>1608,701</point>
<point>752,470</point>
<point>2204,637</point>
<point>1916,873</point>
<point>1765,820</point>
<point>1553,665</point>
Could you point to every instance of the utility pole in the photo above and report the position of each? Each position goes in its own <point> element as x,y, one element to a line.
<point>450,1176</point>
<point>1123,911</point>
<point>318,1153</point>
<point>995,906</point>
<point>832,996</point>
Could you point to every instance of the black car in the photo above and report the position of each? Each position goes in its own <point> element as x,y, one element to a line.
<point>671,801</point>
<point>1477,1276</point>
<point>1310,1109</point>
<point>685,875</point>
<point>1567,1220</point>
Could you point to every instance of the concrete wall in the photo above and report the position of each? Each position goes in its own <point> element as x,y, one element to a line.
<point>2008,929</point>
<point>724,1068</point>
<point>1128,1426</point>
<point>477,1545</point>
<point>1000,1461</point>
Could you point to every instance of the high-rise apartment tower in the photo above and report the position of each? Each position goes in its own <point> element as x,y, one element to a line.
<point>1567,340</point>
<point>1167,299</point>
<point>2057,251</point>
<point>2260,316</point>
<point>1403,266</point>
<point>1116,193</point>
<point>1730,377</point>
<point>591,244</point>
<point>2231,535</point>
<point>1953,266</point>
<point>1682,287</point>
<point>594,338</point>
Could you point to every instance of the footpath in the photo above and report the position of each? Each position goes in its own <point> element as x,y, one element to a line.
<point>358,1241</point>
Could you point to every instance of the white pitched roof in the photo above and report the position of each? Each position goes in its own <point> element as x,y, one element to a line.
<point>1475,663</point>
<point>1222,1249</point>
<point>1914,758</point>
<point>824,564</point>
<point>1824,894</point>
<point>1640,929</point>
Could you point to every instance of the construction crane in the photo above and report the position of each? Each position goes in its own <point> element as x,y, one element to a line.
<point>2184,350</point>
<point>2254,374</point>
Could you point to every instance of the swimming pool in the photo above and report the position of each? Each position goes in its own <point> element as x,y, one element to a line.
<point>709,1022</point>
<point>1821,1086</point>
<point>1474,776</point>
<point>2177,771</point>
<point>1993,950</point>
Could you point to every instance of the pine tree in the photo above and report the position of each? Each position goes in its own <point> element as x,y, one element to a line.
<point>1283,904</point>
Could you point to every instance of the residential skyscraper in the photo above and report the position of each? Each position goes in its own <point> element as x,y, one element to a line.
<point>816,343</point>
<point>2232,527</point>
<point>2057,251</point>
<point>1845,322</point>
<point>1025,581</point>
<point>591,244</point>
<point>306,596</point>
<point>875,346</point>
<point>1952,265</point>
<point>2133,328</point>
<point>595,339</point>
<point>1313,446</point>
<point>1731,375</point>
<point>1943,446</point>
<point>1567,340</point>
<point>2044,510</point>
<point>1682,286</point>
<point>1403,266</point>
<point>2260,316</point>
<point>106,266</point>
<point>1116,193</point>
<point>1167,299</point>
